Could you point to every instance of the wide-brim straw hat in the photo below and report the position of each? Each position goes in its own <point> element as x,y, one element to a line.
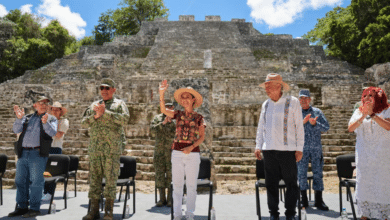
<point>58,105</point>
<point>198,97</point>
<point>274,77</point>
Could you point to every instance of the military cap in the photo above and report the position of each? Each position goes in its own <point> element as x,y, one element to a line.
<point>108,82</point>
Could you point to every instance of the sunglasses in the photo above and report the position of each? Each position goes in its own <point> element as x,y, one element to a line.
<point>104,88</point>
<point>42,103</point>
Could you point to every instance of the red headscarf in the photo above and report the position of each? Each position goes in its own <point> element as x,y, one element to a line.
<point>380,99</point>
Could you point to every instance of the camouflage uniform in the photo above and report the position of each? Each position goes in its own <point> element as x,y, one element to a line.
<point>162,151</point>
<point>107,139</point>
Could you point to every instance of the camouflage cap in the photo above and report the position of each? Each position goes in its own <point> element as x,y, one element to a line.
<point>108,82</point>
<point>41,98</point>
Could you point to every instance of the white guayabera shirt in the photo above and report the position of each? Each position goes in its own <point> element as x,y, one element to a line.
<point>281,125</point>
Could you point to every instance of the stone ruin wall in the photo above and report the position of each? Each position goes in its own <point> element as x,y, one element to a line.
<point>241,57</point>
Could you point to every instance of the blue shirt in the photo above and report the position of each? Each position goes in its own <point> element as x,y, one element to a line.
<point>313,133</point>
<point>33,131</point>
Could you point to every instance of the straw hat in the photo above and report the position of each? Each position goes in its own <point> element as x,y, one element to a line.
<point>58,105</point>
<point>274,77</point>
<point>198,97</point>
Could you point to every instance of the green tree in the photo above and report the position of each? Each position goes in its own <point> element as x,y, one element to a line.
<point>27,25</point>
<point>357,33</point>
<point>127,19</point>
<point>58,36</point>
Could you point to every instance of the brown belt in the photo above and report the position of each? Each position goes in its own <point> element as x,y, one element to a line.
<point>31,148</point>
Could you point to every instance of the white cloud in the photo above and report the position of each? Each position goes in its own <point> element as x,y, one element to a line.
<point>277,13</point>
<point>72,21</point>
<point>26,8</point>
<point>3,11</point>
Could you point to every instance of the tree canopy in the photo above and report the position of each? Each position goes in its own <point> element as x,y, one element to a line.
<point>32,46</point>
<point>359,33</point>
<point>127,19</point>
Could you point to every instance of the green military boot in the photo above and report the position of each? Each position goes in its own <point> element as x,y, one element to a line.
<point>163,200</point>
<point>109,210</point>
<point>94,213</point>
<point>169,198</point>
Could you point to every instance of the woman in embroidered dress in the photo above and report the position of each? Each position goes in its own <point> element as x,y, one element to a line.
<point>371,123</point>
<point>190,133</point>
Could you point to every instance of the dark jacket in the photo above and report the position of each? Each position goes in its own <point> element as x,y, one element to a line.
<point>45,140</point>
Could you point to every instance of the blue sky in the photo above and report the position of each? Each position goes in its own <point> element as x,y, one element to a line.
<point>295,17</point>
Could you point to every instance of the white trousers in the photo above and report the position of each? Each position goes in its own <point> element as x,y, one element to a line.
<point>184,165</point>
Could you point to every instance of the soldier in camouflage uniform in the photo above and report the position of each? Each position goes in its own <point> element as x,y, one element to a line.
<point>164,129</point>
<point>105,120</point>
<point>314,123</point>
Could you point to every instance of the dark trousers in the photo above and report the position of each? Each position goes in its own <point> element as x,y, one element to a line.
<point>281,165</point>
<point>49,188</point>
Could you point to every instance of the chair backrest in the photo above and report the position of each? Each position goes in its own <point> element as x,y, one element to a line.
<point>58,165</point>
<point>3,163</point>
<point>74,163</point>
<point>260,173</point>
<point>128,166</point>
<point>204,168</point>
<point>344,165</point>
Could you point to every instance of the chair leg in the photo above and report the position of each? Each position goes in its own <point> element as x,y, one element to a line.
<point>340,198</point>
<point>210,201</point>
<point>120,194</point>
<point>351,200</point>
<point>89,205</point>
<point>1,189</point>
<point>133,197</point>
<point>172,202</point>
<point>75,186</point>
<point>257,201</point>
<point>155,194</point>
<point>125,203</point>
<point>65,188</point>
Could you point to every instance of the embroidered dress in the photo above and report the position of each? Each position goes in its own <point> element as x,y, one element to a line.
<point>187,129</point>
<point>372,164</point>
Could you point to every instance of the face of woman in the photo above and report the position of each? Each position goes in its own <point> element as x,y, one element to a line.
<point>368,98</point>
<point>187,99</point>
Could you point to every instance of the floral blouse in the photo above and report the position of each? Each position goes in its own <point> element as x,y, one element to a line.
<point>187,129</point>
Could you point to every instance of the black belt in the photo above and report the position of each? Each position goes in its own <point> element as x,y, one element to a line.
<point>31,148</point>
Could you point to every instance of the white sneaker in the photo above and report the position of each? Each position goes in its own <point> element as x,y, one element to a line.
<point>46,197</point>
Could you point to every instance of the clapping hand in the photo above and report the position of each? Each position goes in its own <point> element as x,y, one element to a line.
<point>313,121</point>
<point>44,118</point>
<point>306,119</point>
<point>18,112</point>
<point>99,109</point>
<point>367,107</point>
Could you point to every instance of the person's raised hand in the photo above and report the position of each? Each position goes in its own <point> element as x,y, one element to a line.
<point>163,86</point>
<point>44,118</point>
<point>313,121</point>
<point>167,120</point>
<point>18,112</point>
<point>306,119</point>
<point>298,155</point>
<point>258,154</point>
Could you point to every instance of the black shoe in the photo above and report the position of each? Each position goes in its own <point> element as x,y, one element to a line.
<point>274,217</point>
<point>31,213</point>
<point>319,203</point>
<point>290,218</point>
<point>17,212</point>
<point>304,201</point>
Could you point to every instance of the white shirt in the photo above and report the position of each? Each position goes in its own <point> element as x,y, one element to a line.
<point>63,125</point>
<point>271,133</point>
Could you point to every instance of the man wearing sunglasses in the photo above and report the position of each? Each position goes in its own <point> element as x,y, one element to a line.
<point>32,150</point>
<point>105,120</point>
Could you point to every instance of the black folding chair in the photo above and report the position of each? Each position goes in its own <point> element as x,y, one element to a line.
<point>203,181</point>
<point>3,165</point>
<point>58,166</point>
<point>260,175</point>
<point>345,166</point>
<point>128,169</point>
<point>73,167</point>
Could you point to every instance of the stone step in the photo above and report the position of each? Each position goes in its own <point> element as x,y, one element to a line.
<point>334,154</point>
<point>140,141</point>
<point>141,175</point>
<point>332,148</point>
<point>233,149</point>
<point>139,153</point>
<point>139,147</point>
<point>223,169</point>
<point>339,142</point>
<point>235,176</point>
<point>348,136</point>
<point>232,154</point>
<point>235,143</point>
<point>235,161</point>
